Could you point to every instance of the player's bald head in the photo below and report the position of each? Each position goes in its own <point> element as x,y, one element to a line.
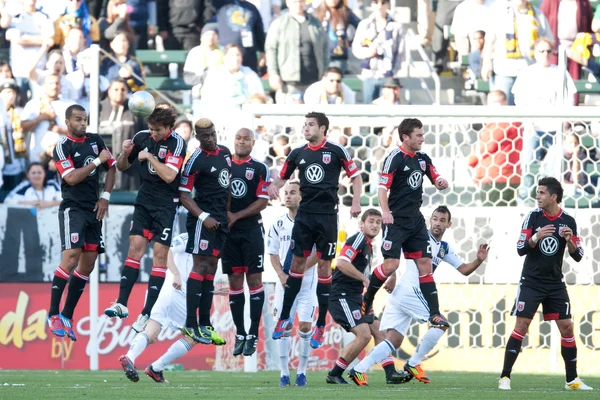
<point>245,132</point>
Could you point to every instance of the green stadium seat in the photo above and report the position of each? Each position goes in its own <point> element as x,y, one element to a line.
<point>161,57</point>
<point>166,83</point>
<point>586,87</point>
<point>482,86</point>
<point>123,198</point>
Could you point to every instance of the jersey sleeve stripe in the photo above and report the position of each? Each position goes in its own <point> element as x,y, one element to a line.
<point>188,165</point>
<point>358,241</point>
<point>526,222</point>
<point>59,148</point>
<point>388,162</point>
<point>346,154</point>
<point>179,146</point>
<point>268,173</point>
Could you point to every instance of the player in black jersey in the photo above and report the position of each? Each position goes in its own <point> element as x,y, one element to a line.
<point>319,163</point>
<point>208,171</point>
<point>78,156</point>
<point>546,233</point>
<point>244,249</point>
<point>404,227</point>
<point>160,152</point>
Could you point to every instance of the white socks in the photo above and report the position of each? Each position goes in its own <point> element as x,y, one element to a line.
<point>426,344</point>
<point>378,354</point>
<point>304,352</point>
<point>177,349</point>
<point>139,344</point>
<point>284,355</point>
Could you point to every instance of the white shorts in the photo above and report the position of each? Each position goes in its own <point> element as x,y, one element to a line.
<point>306,301</point>
<point>170,309</point>
<point>405,303</point>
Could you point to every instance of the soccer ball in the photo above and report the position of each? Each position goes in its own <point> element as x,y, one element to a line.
<point>141,104</point>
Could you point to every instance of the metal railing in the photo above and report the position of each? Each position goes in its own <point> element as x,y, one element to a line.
<point>412,43</point>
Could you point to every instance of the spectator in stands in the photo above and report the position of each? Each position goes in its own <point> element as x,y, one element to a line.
<point>240,23</point>
<point>297,51</point>
<point>13,138</point>
<point>495,159</point>
<point>180,22</point>
<point>379,44</point>
<point>55,65</point>
<point>425,21</point>
<point>116,21</point>
<point>200,59</point>
<point>477,45</point>
<point>44,114</point>
<point>509,43</point>
<point>74,44</point>
<point>583,57</point>
<point>443,17</point>
<point>129,68</point>
<point>5,70</point>
<point>35,191</point>
<point>340,25</point>
<point>469,17</point>
<point>184,128</point>
<point>52,8</point>
<point>279,150</point>
<point>330,90</point>
<point>76,15</point>
<point>269,9</point>
<point>142,18</point>
<point>390,92</point>
<point>567,18</point>
<point>80,81</point>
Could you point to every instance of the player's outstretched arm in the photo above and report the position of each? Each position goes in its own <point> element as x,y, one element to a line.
<point>348,269</point>
<point>482,253</point>
<point>357,185</point>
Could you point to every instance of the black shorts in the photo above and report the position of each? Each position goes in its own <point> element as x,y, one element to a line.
<point>244,251</point>
<point>153,223</point>
<point>203,242</point>
<point>80,228</point>
<point>315,229</point>
<point>408,235</point>
<point>554,299</point>
<point>346,311</point>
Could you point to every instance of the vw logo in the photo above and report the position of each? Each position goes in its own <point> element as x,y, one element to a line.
<point>150,167</point>
<point>549,246</point>
<point>314,173</point>
<point>224,178</point>
<point>415,179</point>
<point>238,188</point>
<point>88,160</point>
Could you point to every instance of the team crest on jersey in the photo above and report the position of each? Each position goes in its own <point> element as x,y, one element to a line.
<point>279,223</point>
<point>74,237</point>
<point>249,173</point>
<point>203,244</point>
<point>228,160</point>
<point>520,306</point>
<point>95,148</point>
<point>387,245</point>
<point>423,164</point>
<point>442,252</point>
<point>356,314</point>
<point>326,158</point>
<point>131,226</point>
<point>162,152</point>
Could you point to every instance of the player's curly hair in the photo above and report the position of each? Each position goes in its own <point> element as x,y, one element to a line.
<point>163,116</point>
<point>321,118</point>
<point>407,126</point>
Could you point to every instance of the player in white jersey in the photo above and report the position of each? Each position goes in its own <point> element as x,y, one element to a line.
<point>278,248</point>
<point>407,302</point>
<point>168,311</point>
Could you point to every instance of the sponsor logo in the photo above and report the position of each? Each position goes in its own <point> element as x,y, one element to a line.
<point>212,169</point>
<point>523,236</point>
<point>406,168</point>
<point>203,244</point>
<point>520,306</point>
<point>314,173</point>
<point>350,253</point>
<point>74,237</point>
<point>238,188</point>
<point>184,180</point>
<point>77,154</point>
<point>302,162</point>
<point>356,314</point>
<point>162,152</point>
<point>65,164</point>
<point>224,178</point>
<point>549,246</point>
<point>326,158</point>
<point>88,160</point>
<point>384,180</point>
<point>249,173</point>
<point>387,245</point>
<point>150,167</point>
<point>415,179</point>
<point>422,164</point>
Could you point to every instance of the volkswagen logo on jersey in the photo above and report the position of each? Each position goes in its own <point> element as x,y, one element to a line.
<point>224,178</point>
<point>415,179</point>
<point>238,188</point>
<point>150,167</point>
<point>88,160</point>
<point>549,246</point>
<point>314,173</point>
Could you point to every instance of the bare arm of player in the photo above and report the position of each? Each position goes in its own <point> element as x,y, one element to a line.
<point>186,200</point>
<point>348,269</point>
<point>122,161</point>
<point>101,206</point>
<point>165,172</point>
<point>276,263</point>
<point>173,268</point>
<point>357,184</point>
<point>274,187</point>
<point>482,253</point>
<point>256,207</point>
<point>77,175</point>
<point>382,195</point>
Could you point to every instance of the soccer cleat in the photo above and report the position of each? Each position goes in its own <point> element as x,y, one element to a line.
<point>129,369</point>
<point>300,380</point>
<point>55,326</point>
<point>281,327</point>
<point>316,340</point>
<point>194,333</point>
<point>140,323</point>
<point>251,344</point>
<point>577,384</point>
<point>360,378</point>
<point>284,381</point>
<point>398,377</point>
<point>417,372</point>
<point>68,327</point>
<point>504,383</point>
<point>208,332</point>
<point>117,310</point>
<point>238,347</point>
<point>335,380</point>
<point>438,321</point>
<point>156,376</point>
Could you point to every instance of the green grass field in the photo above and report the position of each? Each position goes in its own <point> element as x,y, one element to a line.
<point>263,385</point>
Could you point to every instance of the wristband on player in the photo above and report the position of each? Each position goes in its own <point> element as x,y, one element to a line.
<point>203,216</point>
<point>97,162</point>
<point>105,196</point>
<point>535,238</point>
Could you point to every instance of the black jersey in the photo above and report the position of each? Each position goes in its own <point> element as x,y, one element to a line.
<point>169,151</point>
<point>209,173</point>
<point>71,153</point>
<point>402,175</point>
<point>319,169</point>
<point>249,181</point>
<point>543,263</point>
<point>358,251</point>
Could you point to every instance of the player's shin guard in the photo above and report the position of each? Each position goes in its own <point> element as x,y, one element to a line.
<point>513,347</point>
<point>76,288</point>
<point>155,283</point>
<point>292,288</point>
<point>129,276</point>
<point>339,367</point>
<point>208,291</point>
<point>323,290</point>
<point>177,350</point>
<point>378,354</point>
<point>427,343</point>
<point>568,350</point>
<point>193,296</point>
<point>257,300</point>
<point>61,277</point>
<point>303,351</point>
<point>427,285</point>
<point>237,302</point>
<point>378,278</point>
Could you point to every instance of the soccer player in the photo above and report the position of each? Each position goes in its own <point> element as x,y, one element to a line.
<point>160,152</point>
<point>244,250</point>
<point>406,301</point>
<point>547,231</point>
<point>280,252</point>
<point>404,226</point>
<point>208,171</point>
<point>78,156</point>
<point>319,163</point>
<point>349,279</point>
<point>169,311</point>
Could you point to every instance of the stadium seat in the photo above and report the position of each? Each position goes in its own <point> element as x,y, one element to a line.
<point>166,83</point>
<point>123,198</point>
<point>161,57</point>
